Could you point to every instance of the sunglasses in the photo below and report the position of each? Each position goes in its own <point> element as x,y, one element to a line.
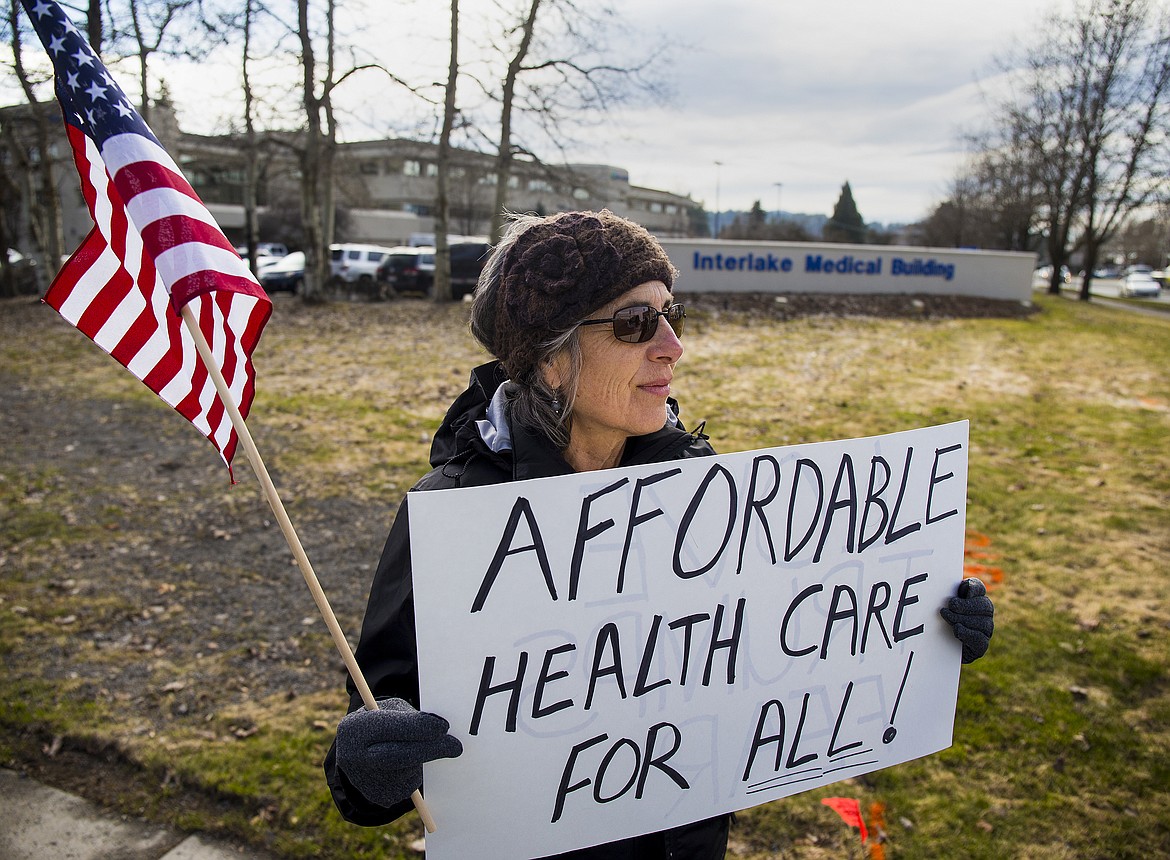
<point>638,323</point>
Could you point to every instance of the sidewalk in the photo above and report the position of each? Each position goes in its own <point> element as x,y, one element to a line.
<point>40,822</point>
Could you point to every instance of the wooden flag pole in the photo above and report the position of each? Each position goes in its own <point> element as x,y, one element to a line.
<point>290,535</point>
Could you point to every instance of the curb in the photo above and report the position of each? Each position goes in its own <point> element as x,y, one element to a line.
<point>41,821</point>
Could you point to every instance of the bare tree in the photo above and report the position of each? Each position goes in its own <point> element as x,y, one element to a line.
<point>993,200</point>
<point>1123,126</point>
<point>93,25</point>
<point>1087,124</point>
<point>1143,240</point>
<point>30,143</point>
<point>148,26</point>
<point>251,142</point>
<point>318,140</point>
<point>559,73</point>
<point>314,162</point>
<point>504,150</point>
<point>441,288</point>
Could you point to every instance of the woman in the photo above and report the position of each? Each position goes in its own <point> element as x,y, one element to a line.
<point>572,306</point>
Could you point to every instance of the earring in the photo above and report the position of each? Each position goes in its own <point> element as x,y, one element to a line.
<point>557,407</point>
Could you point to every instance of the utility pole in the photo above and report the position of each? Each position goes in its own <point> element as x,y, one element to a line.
<point>718,164</point>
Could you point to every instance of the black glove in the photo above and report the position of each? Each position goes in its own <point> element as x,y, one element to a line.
<point>382,752</point>
<point>972,615</point>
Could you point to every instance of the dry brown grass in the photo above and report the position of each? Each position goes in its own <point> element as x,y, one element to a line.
<point>150,608</point>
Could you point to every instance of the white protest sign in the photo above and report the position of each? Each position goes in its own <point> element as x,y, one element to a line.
<point>633,649</point>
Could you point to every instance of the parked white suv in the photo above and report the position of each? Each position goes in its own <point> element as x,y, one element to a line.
<point>356,263</point>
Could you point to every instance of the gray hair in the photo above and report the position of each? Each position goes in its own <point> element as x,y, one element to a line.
<point>532,402</point>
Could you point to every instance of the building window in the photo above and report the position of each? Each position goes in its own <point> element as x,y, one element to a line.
<point>539,185</point>
<point>580,193</point>
<point>369,168</point>
<point>513,182</point>
<point>489,179</point>
<point>655,207</point>
<point>432,170</point>
<point>410,167</point>
<point>671,209</point>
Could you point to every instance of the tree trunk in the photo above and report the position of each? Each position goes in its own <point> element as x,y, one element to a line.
<point>251,165</point>
<point>143,58</point>
<point>441,288</point>
<point>316,255</point>
<point>40,187</point>
<point>504,156</point>
<point>93,25</point>
<point>1092,254</point>
<point>329,147</point>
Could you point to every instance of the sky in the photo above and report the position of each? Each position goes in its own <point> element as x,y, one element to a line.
<point>794,98</point>
<point>772,100</point>
<point>809,95</point>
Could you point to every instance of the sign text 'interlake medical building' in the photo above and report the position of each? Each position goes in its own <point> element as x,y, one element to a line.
<point>801,267</point>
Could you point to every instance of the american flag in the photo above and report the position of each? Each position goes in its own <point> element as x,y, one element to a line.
<point>154,249</point>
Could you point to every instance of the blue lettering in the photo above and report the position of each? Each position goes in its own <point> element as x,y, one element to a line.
<point>747,263</point>
<point>923,268</point>
<point>847,265</point>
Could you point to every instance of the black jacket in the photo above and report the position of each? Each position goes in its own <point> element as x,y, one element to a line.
<point>386,651</point>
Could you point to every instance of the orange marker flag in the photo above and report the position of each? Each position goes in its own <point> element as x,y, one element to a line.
<point>850,811</point>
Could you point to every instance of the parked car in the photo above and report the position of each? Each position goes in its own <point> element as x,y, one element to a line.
<point>1140,285</point>
<point>265,249</point>
<point>1043,275</point>
<point>284,275</point>
<point>408,270</point>
<point>1138,269</point>
<point>356,263</point>
<point>266,253</point>
<point>467,261</point>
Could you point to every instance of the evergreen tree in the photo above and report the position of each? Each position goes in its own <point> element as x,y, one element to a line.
<point>846,224</point>
<point>757,219</point>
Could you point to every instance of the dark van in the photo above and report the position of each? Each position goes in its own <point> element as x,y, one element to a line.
<point>407,270</point>
<point>467,261</point>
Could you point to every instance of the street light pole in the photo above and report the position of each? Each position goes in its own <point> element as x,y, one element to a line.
<point>778,185</point>
<point>718,164</point>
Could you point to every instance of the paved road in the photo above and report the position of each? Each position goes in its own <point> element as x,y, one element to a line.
<point>1105,288</point>
<point>40,823</point>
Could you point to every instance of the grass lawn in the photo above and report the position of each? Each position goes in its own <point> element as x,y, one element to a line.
<point>1062,737</point>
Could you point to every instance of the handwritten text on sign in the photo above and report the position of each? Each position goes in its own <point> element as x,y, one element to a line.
<point>634,649</point>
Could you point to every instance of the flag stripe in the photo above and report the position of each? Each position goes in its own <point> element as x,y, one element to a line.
<point>175,230</point>
<point>192,257</point>
<point>156,203</point>
<point>139,176</point>
<point>121,150</point>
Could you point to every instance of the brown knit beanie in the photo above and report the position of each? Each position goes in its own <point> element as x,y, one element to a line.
<point>558,271</point>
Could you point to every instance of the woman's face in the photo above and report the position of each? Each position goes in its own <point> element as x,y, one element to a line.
<point>622,387</point>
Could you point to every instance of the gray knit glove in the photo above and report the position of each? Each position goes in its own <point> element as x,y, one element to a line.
<point>972,616</point>
<point>382,752</point>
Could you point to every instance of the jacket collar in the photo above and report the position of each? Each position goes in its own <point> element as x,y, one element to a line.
<point>532,455</point>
